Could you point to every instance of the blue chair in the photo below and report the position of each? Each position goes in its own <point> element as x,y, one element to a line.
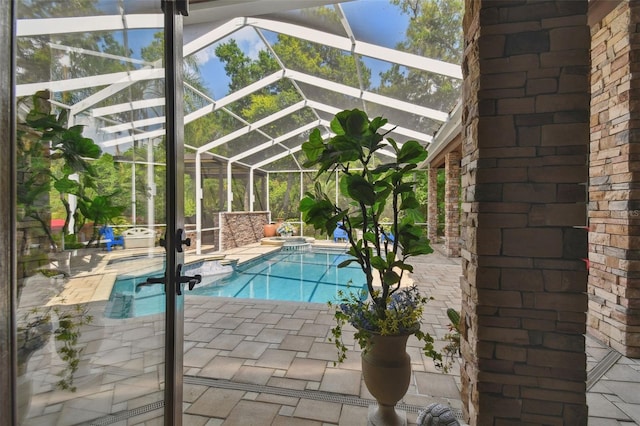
<point>106,234</point>
<point>340,233</point>
<point>389,236</point>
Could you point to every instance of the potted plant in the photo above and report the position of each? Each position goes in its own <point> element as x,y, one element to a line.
<point>387,311</point>
<point>285,229</point>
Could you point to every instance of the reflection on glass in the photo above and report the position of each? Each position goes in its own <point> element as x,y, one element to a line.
<point>90,208</point>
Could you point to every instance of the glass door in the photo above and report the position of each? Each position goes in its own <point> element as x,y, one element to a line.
<point>99,208</point>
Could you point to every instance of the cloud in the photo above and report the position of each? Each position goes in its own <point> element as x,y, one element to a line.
<point>205,55</point>
<point>246,38</point>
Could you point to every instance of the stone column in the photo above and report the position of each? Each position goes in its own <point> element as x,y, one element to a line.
<point>432,207</point>
<point>525,140</point>
<point>614,185</point>
<point>451,204</point>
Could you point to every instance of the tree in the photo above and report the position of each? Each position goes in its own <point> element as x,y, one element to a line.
<point>298,54</point>
<point>434,31</point>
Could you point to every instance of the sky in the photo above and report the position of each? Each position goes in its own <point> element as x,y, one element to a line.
<point>372,21</point>
<point>376,21</point>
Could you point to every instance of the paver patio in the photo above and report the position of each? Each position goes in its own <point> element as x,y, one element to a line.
<point>255,362</point>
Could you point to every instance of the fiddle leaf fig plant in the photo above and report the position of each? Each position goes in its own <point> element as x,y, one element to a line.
<point>382,250</point>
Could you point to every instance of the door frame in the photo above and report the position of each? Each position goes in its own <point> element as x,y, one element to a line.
<point>8,268</point>
<point>174,113</point>
<point>174,207</point>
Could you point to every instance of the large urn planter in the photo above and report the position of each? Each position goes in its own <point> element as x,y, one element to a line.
<point>386,369</point>
<point>270,229</point>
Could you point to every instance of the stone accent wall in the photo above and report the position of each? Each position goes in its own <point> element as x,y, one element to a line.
<point>614,186</point>
<point>452,201</point>
<point>525,137</point>
<point>432,205</point>
<point>242,228</point>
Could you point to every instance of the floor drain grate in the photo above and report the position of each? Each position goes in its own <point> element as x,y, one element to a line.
<point>602,367</point>
<point>126,414</point>
<point>307,394</point>
<point>248,387</point>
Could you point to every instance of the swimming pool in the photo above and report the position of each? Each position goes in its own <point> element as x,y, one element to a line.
<point>311,276</point>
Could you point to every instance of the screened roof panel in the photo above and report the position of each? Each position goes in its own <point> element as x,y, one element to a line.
<point>297,140</point>
<point>285,163</point>
<point>399,82</point>
<point>240,144</point>
<point>258,77</point>
<point>325,19</point>
<point>265,154</point>
<point>404,118</point>
<point>285,124</point>
<point>371,31</point>
<point>329,97</point>
<point>37,10</point>
<point>210,127</point>
<point>324,65</point>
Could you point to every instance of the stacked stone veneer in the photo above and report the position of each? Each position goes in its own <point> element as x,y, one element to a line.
<point>525,133</point>
<point>452,201</point>
<point>614,181</point>
<point>242,228</point>
<point>432,205</point>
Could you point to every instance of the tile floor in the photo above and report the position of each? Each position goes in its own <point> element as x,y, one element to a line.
<point>249,362</point>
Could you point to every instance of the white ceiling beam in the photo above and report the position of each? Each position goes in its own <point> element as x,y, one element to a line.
<point>111,90</point>
<point>233,135</point>
<point>126,107</point>
<point>271,118</point>
<point>133,125</point>
<point>277,157</point>
<point>214,35</point>
<point>369,96</point>
<point>366,49</point>
<point>129,139</point>
<point>239,94</point>
<point>88,24</point>
<point>92,81</point>
<point>207,11</point>
<point>274,141</point>
<point>105,55</point>
<point>389,126</point>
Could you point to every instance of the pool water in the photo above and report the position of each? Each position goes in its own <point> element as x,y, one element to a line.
<point>285,275</point>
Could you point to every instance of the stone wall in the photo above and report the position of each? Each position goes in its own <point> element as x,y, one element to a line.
<point>525,130</point>
<point>614,185</point>
<point>452,201</point>
<point>242,228</point>
<point>432,203</point>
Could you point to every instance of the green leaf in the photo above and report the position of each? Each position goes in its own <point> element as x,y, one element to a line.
<point>369,236</point>
<point>390,278</point>
<point>354,122</point>
<point>411,152</point>
<point>383,168</point>
<point>313,148</point>
<point>409,202</point>
<point>306,204</point>
<point>378,262</point>
<point>377,123</point>
<point>345,263</point>
<point>360,190</point>
<point>67,186</point>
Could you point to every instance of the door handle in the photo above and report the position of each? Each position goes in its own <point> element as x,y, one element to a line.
<point>180,279</point>
<point>150,281</point>
<point>185,279</point>
<point>181,241</point>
